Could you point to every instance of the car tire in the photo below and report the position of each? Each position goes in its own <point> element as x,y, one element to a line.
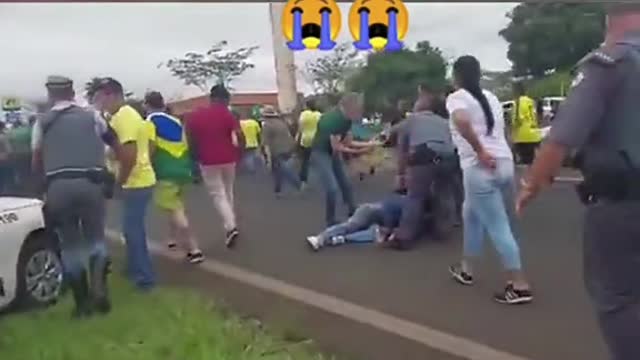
<point>40,272</point>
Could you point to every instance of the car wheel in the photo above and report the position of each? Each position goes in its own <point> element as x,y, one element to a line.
<point>40,272</point>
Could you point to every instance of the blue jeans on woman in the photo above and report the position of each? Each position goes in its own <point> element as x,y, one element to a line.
<point>139,267</point>
<point>331,172</point>
<point>486,194</point>
<point>282,172</point>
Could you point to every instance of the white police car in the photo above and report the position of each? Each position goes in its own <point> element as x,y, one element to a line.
<point>30,265</point>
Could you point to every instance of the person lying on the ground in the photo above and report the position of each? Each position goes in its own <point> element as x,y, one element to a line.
<point>371,222</point>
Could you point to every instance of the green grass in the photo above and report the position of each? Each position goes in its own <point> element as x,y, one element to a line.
<point>167,324</point>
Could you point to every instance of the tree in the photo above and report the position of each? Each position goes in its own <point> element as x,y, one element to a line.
<point>327,74</point>
<point>544,37</point>
<point>389,77</point>
<point>498,82</point>
<point>217,65</point>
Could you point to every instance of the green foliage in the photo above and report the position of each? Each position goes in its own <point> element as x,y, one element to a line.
<point>215,65</point>
<point>388,77</point>
<point>557,84</point>
<point>167,324</point>
<point>552,36</point>
<point>498,82</point>
<point>327,73</point>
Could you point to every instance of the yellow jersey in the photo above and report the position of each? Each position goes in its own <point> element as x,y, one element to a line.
<point>524,123</point>
<point>251,131</point>
<point>308,126</point>
<point>129,126</point>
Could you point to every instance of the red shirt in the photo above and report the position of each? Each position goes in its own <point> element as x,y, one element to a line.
<point>210,129</point>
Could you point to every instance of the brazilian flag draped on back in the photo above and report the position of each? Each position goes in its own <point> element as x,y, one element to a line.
<point>172,160</point>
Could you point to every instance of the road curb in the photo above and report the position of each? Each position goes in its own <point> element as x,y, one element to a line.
<point>419,333</point>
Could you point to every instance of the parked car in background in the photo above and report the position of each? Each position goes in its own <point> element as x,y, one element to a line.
<point>30,265</point>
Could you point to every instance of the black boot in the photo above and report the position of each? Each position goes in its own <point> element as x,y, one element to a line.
<point>99,270</point>
<point>80,290</point>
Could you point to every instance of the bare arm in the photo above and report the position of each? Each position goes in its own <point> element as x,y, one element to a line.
<point>127,158</point>
<point>338,145</point>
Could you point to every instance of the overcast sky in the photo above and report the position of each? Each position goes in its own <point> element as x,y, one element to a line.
<point>128,41</point>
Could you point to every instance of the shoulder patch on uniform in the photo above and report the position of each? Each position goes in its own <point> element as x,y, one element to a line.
<point>607,56</point>
<point>578,79</point>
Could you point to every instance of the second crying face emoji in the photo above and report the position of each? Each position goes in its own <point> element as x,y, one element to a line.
<point>378,24</point>
<point>311,24</point>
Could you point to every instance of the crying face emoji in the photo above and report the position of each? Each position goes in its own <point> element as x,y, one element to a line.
<point>311,24</point>
<point>378,24</point>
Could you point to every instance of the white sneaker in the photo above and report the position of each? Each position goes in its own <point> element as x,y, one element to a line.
<point>315,242</point>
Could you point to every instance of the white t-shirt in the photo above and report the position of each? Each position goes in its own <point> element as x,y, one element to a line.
<point>495,144</point>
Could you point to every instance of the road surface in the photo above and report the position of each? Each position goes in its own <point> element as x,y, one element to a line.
<point>415,285</point>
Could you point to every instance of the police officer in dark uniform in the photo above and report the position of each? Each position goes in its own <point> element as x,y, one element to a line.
<point>601,118</point>
<point>68,149</point>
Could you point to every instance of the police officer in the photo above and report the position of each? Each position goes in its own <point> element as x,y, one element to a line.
<point>601,118</point>
<point>68,150</point>
<point>428,151</point>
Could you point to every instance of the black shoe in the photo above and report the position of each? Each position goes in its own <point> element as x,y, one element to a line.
<point>232,236</point>
<point>460,276</point>
<point>80,291</point>
<point>99,291</point>
<point>195,257</point>
<point>512,296</point>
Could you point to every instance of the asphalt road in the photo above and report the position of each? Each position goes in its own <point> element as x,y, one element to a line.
<point>415,285</point>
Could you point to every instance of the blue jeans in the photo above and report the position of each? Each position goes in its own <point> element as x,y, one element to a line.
<point>282,172</point>
<point>486,195</point>
<point>359,227</point>
<point>331,171</point>
<point>139,266</point>
<point>251,160</point>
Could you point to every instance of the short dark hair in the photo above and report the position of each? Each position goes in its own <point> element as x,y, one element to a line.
<point>219,92</point>
<point>154,100</point>
<point>110,85</point>
<point>311,104</point>
<point>429,87</point>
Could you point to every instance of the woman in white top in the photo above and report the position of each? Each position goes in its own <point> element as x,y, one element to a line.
<point>478,130</point>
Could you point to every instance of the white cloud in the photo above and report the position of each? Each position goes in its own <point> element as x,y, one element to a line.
<point>128,41</point>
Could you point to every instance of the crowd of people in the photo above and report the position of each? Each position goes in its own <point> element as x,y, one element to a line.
<point>454,161</point>
<point>451,146</point>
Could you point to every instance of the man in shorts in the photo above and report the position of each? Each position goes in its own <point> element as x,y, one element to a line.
<point>172,164</point>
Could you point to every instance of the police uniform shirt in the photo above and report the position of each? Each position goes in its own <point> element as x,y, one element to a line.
<point>599,75</point>
<point>103,129</point>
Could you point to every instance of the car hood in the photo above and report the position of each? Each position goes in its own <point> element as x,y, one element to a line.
<point>15,203</point>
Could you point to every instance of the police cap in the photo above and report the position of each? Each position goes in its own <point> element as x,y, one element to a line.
<point>58,82</point>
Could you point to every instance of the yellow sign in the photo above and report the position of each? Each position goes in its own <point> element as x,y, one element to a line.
<point>9,104</point>
<point>311,24</point>
<point>378,24</point>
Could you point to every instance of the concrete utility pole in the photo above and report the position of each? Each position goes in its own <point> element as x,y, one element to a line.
<point>285,66</point>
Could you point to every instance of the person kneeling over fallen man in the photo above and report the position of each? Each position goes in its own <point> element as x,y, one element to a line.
<point>371,222</point>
